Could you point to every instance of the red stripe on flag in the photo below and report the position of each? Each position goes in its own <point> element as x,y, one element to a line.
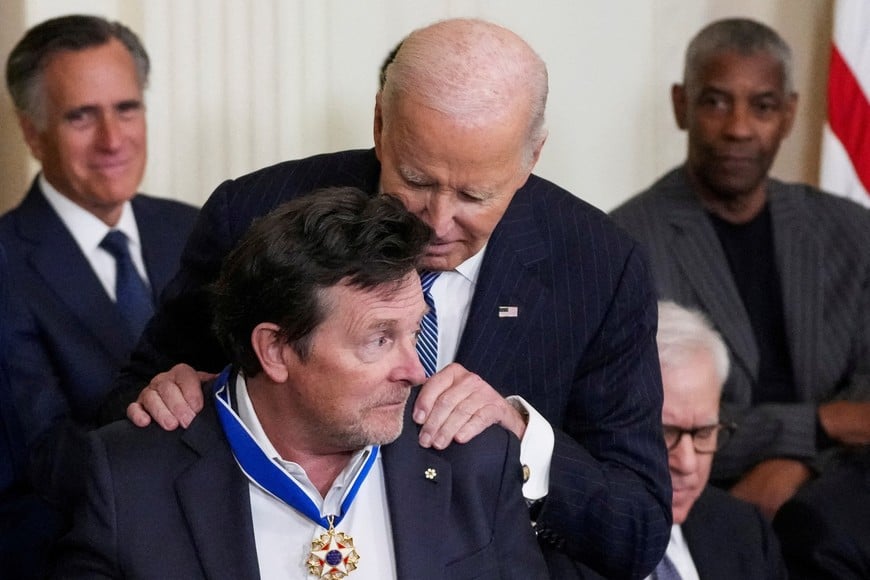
<point>849,115</point>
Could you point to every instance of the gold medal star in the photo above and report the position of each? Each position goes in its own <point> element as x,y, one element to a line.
<point>332,556</point>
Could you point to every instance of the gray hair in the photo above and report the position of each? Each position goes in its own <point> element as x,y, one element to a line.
<point>27,61</point>
<point>743,36</point>
<point>471,70</point>
<point>683,332</point>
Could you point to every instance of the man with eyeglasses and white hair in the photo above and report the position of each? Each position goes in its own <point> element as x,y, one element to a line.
<point>714,534</point>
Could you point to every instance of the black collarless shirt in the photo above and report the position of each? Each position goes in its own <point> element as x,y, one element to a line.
<point>750,251</point>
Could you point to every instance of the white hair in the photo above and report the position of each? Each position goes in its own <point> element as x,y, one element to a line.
<point>682,332</point>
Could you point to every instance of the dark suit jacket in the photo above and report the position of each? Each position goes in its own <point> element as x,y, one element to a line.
<point>68,339</point>
<point>729,539</point>
<point>27,524</point>
<point>176,505</point>
<point>821,246</point>
<point>825,528</point>
<point>581,350</point>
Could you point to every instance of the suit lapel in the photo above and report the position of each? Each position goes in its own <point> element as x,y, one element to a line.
<point>702,263</point>
<point>702,542</point>
<point>223,535</point>
<point>514,247</point>
<point>799,260</point>
<point>60,265</point>
<point>425,502</point>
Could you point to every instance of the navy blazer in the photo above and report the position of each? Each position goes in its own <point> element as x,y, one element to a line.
<point>176,505</point>
<point>581,349</point>
<point>28,525</point>
<point>68,339</point>
<point>729,538</point>
<point>820,244</point>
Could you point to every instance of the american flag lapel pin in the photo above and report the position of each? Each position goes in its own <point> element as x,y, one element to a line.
<point>507,311</point>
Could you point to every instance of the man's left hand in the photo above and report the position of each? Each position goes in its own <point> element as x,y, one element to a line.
<point>457,405</point>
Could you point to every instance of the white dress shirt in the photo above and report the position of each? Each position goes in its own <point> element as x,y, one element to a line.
<point>88,231</point>
<point>452,292</point>
<point>678,552</point>
<point>283,535</point>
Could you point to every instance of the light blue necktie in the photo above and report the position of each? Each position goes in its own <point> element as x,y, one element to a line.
<point>427,342</point>
<point>132,294</point>
<point>666,570</point>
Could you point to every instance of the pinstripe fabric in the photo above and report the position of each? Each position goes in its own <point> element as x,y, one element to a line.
<point>581,350</point>
<point>427,342</point>
<point>822,247</point>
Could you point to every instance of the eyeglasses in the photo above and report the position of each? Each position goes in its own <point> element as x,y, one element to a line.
<point>705,439</point>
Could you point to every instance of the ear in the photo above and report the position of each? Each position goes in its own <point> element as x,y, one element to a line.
<point>536,153</point>
<point>271,349</point>
<point>378,128</point>
<point>32,135</point>
<point>680,105</point>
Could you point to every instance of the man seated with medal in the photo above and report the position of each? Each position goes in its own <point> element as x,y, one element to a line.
<point>305,461</point>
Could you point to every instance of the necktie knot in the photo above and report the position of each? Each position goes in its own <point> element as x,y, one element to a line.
<point>115,243</point>
<point>132,294</point>
<point>427,278</point>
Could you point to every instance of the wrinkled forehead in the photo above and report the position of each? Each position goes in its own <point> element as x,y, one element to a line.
<point>762,66</point>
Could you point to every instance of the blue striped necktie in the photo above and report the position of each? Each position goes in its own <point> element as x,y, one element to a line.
<point>666,570</point>
<point>427,342</point>
<point>132,294</point>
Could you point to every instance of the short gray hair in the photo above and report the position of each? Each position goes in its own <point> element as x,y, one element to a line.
<point>471,70</point>
<point>683,332</point>
<point>27,61</point>
<point>743,36</point>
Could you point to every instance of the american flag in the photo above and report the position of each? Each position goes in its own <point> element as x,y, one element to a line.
<point>845,167</point>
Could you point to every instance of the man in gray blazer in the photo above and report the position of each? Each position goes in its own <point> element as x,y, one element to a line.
<point>781,269</point>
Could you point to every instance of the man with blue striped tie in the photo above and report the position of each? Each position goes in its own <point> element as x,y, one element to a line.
<point>545,310</point>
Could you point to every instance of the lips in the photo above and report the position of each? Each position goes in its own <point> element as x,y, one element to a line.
<point>439,248</point>
<point>114,167</point>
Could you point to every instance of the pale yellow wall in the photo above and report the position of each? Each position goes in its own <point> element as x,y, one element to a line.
<point>288,78</point>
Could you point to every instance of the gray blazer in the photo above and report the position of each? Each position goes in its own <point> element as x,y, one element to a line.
<point>822,247</point>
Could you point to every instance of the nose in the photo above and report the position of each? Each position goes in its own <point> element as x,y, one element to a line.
<point>738,124</point>
<point>109,132</point>
<point>439,212</point>
<point>683,458</point>
<point>409,367</point>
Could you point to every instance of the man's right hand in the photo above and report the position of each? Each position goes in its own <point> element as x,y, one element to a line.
<point>847,422</point>
<point>172,398</point>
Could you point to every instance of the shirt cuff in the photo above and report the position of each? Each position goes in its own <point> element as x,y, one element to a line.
<point>536,451</point>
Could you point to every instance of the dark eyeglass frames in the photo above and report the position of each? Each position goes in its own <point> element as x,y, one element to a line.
<point>705,439</point>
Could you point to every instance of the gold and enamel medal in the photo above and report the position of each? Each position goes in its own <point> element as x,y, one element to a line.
<point>332,555</point>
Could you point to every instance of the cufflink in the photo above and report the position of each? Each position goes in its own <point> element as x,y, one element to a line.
<point>526,473</point>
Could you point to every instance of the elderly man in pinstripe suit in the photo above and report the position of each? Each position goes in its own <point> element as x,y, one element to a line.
<point>539,296</point>
<point>781,269</point>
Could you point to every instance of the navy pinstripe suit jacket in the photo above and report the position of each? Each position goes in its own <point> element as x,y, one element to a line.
<point>581,350</point>
<point>821,246</point>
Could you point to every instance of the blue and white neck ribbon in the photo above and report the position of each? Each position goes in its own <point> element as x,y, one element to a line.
<point>266,471</point>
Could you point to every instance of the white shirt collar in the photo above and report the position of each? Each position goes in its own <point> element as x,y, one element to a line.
<point>86,228</point>
<point>470,268</point>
